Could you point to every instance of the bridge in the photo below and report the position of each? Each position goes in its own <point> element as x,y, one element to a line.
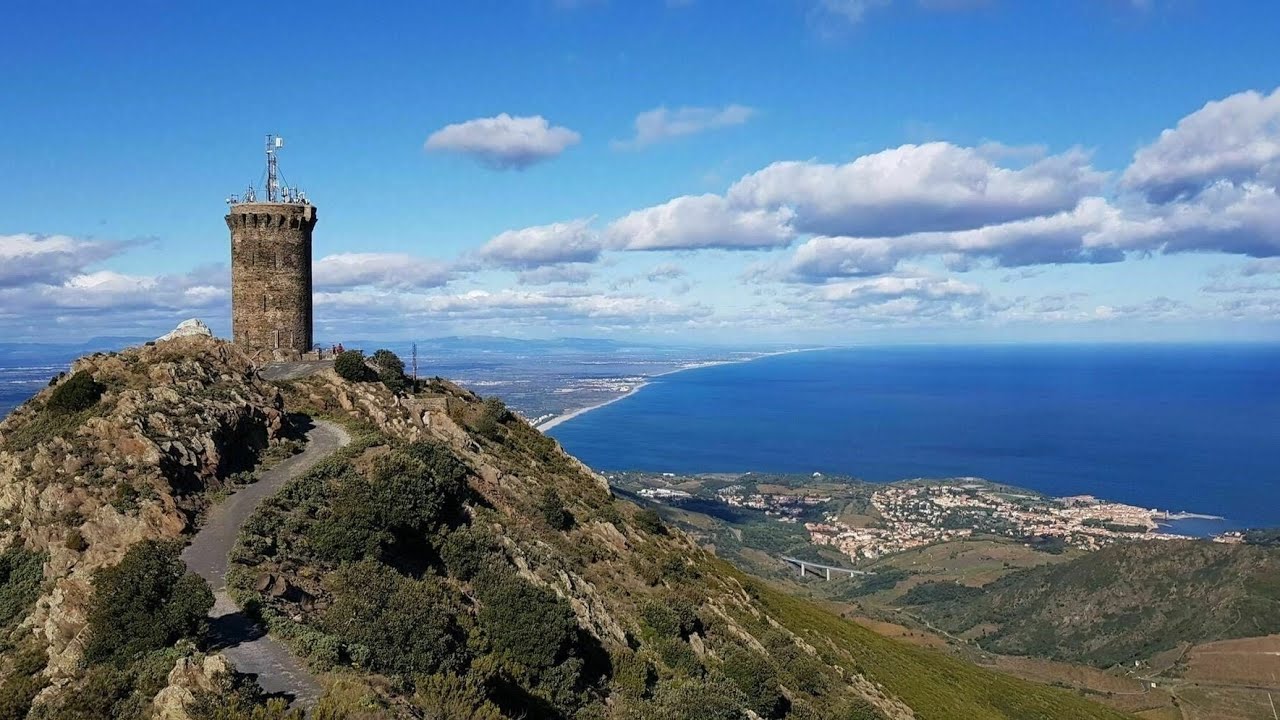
<point>819,568</point>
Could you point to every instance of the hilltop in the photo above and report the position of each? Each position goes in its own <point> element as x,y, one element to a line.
<point>450,561</point>
<point>1118,605</point>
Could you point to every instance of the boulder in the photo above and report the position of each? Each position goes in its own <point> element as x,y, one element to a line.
<point>187,328</point>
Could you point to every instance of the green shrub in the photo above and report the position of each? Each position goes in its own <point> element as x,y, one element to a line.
<point>77,393</point>
<point>21,572</point>
<point>145,603</point>
<point>532,625</point>
<point>648,520</point>
<point>120,692</point>
<point>554,511</point>
<point>466,553</point>
<point>24,682</point>
<point>693,700</point>
<point>350,365</point>
<point>672,617</point>
<point>756,677</point>
<point>491,419</point>
<point>407,626</point>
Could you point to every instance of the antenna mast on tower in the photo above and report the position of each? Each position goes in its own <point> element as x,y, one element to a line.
<point>274,143</point>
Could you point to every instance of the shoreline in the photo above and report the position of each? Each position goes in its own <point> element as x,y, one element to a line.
<point>564,417</point>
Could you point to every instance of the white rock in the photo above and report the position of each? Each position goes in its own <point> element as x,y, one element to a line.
<point>187,328</point>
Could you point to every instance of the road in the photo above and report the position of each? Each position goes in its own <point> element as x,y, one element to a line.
<point>245,643</point>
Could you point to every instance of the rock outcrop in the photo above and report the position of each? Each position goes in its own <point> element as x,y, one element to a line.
<point>175,421</point>
<point>187,328</point>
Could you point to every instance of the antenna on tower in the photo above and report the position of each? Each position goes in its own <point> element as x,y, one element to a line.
<point>274,143</point>
<point>276,190</point>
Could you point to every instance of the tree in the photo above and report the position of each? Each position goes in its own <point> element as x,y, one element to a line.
<point>145,603</point>
<point>390,370</point>
<point>350,365</point>
<point>79,392</point>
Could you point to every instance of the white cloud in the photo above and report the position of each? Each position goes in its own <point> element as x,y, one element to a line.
<point>1234,140</point>
<point>659,124</point>
<point>898,286</point>
<point>917,188</point>
<point>27,258</point>
<point>549,274</point>
<point>383,270</point>
<point>504,142</point>
<point>531,247</point>
<point>698,222</point>
<point>666,271</point>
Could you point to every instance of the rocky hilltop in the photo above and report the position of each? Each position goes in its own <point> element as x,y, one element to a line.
<point>451,561</point>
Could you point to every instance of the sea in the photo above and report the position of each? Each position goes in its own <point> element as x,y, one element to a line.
<point>1174,427</point>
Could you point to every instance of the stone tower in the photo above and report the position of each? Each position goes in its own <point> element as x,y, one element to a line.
<point>271,267</point>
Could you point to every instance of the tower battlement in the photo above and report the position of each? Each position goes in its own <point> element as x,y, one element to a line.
<point>271,288</point>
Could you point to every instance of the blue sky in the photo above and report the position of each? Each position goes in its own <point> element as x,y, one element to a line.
<point>829,171</point>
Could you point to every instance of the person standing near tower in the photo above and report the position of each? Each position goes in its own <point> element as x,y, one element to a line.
<point>271,295</point>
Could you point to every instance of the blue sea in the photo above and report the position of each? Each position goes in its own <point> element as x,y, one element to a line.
<point>1177,427</point>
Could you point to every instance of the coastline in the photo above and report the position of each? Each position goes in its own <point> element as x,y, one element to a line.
<point>549,423</point>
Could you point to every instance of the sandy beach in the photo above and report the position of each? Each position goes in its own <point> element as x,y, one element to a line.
<point>546,425</point>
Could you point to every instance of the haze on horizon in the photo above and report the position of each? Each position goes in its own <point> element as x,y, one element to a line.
<point>828,171</point>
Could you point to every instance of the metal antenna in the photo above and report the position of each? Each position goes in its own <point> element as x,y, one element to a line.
<point>273,185</point>
<point>415,367</point>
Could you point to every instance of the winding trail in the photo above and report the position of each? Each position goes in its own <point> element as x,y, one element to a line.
<point>244,642</point>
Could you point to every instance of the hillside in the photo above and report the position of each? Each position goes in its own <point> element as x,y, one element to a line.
<point>449,562</point>
<point>1123,603</point>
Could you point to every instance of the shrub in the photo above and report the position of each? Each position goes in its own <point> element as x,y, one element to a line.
<point>694,700</point>
<point>672,617</point>
<point>75,541</point>
<point>390,370</point>
<point>554,511</point>
<point>465,553</point>
<point>350,365</point>
<point>754,675</point>
<point>648,520</point>
<point>21,572</point>
<point>532,625</point>
<point>406,625</point>
<point>24,682</point>
<point>146,602</point>
<point>494,414</point>
<point>77,393</point>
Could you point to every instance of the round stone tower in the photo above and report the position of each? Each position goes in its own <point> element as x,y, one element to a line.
<point>271,268</point>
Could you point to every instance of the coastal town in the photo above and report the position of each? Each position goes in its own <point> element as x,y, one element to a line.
<point>916,516</point>
<point>892,518</point>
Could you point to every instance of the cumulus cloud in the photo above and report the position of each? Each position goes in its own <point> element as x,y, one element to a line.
<point>383,270</point>
<point>916,188</point>
<point>27,258</point>
<point>1088,232</point>
<point>659,124</point>
<point>701,221</point>
<point>887,287</point>
<point>504,142</point>
<point>531,247</point>
<point>1234,140</point>
<point>563,307</point>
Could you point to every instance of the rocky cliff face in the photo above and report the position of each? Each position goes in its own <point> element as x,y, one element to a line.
<point>176,420</point>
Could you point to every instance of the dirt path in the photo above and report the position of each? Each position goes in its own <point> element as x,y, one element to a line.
<point>245,643</point>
